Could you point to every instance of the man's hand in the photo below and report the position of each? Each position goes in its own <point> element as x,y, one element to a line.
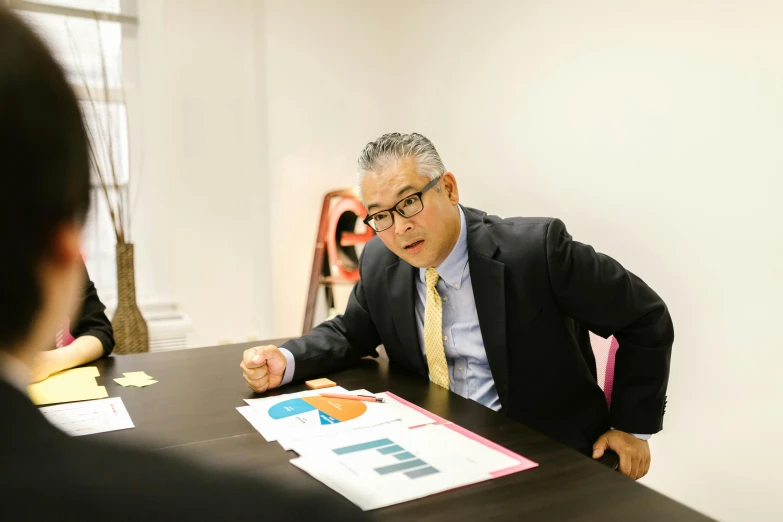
<point>263,367</point>
<point>634,452</point>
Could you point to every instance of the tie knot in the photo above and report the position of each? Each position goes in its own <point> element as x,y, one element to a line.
<point>431,276</point>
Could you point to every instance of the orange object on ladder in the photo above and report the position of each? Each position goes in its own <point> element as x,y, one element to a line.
<point>336,257</point>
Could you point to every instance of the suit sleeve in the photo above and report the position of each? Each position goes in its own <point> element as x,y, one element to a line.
<point>339,342</point>
<point>92,318</point>
<point>597,291</point>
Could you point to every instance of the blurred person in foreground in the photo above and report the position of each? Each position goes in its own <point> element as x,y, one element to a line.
<point>44,474</point>
<point>496,310</point>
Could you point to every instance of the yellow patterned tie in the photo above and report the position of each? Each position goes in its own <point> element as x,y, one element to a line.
<point>433,332</point>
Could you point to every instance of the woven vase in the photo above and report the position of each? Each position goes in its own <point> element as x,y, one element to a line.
<point>130,329</point>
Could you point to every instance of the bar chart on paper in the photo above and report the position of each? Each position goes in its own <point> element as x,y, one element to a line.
<point>388,464</point>
<point>406,462</point>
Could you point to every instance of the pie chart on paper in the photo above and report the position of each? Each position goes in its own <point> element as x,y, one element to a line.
<point>329,411</point>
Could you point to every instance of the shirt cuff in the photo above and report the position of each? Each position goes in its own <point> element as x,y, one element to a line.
<point>641,436</point>
<point>288,376</point>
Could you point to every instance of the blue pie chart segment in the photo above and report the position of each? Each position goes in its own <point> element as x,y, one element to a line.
<point>327,419</point>
<point>290,408</point>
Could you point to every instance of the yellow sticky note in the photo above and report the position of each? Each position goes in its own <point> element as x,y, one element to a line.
<point>138,379</point>
<point>79,373</point>
<point>137,375</point>
<point>142,384</point>
<point>77,384</point>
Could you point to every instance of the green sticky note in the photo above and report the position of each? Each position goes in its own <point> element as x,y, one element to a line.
<point>124,381</point>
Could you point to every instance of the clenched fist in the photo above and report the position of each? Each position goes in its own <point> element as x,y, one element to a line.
<point>263,367</point>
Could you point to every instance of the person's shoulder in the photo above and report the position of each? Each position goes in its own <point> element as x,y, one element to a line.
<point>511,227</point>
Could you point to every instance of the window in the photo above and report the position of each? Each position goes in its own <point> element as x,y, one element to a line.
<point>79,32</point>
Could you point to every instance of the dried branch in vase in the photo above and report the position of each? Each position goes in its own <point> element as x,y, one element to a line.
<point>102,144</point>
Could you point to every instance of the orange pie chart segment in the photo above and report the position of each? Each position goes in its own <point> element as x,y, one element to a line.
<point>341,409</point>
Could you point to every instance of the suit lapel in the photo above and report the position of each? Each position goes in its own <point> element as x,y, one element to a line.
<point>487,276</point>
<point>400,277</point>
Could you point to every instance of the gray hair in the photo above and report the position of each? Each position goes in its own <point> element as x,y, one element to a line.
<point>394,147</point>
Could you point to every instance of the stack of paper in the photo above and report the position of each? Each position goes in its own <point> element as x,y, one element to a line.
<point>77,384</point>
<point>378,454</point>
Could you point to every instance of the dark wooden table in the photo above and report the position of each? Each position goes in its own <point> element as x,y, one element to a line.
<point>192,411</point>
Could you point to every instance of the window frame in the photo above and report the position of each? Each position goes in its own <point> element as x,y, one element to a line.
<point>127,96</point>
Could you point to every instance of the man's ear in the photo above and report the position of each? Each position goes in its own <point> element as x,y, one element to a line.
<point>450,187</point>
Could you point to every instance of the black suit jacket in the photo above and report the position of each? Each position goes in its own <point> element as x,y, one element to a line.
<point>538,293</point>
<point>46,475</point>
<point>92,318</point>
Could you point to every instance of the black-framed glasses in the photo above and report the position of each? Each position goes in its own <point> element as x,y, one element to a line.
<point>406,207</point>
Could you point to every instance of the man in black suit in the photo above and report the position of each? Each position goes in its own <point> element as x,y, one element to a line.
<point>497,310</point>
<point>44,474</point>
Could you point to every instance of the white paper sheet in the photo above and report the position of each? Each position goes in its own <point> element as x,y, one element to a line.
<point>267,427</point>
<point>254,418</point>
<point>385,465</point>
<point>396,413</point>
<point>287,443</point>
<point>258,403</point>
<point>483,457</point>
<point>306,414</point>
<point>89,417</point>
<point>410,417</point>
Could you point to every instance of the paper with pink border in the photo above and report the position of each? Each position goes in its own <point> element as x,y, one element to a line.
<point>524,463</point>
<point>438,420</point>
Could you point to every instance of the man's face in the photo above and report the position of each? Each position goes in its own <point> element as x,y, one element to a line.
<point>427,238</point>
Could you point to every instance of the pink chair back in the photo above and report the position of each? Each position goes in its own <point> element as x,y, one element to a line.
<point>605,351</point>
<point>64,337</point>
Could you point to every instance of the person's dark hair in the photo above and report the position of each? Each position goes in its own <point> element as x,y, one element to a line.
<point>44,168</point>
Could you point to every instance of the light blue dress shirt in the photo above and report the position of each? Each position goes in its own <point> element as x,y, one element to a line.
<point>469,372</point>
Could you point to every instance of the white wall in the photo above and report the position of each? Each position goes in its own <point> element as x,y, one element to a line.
<point>330,90</point>
<point>652,128</point>
<point>268,102</point>
<point>201,227</point>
